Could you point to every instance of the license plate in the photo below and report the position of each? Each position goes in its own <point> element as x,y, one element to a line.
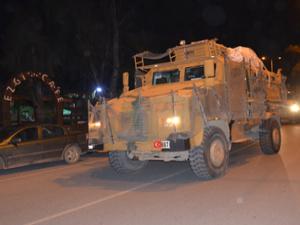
<point>161,144</point>
<point>166,144</point>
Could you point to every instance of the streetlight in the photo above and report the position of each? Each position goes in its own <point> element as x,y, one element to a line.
<point>97,94</point>
<point>264,58</point>
<point>98,89</point>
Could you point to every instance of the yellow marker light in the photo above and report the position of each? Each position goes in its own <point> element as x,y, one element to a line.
<point>295,108</point>
<point>173,121</point>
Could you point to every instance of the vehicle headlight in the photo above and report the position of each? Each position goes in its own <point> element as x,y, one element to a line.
<point>172,121</point>
<point>295,108</point>
<point>95,125</point>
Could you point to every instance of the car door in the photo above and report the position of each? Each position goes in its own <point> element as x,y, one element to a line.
<point>54,141</point>
<point>24,148</point>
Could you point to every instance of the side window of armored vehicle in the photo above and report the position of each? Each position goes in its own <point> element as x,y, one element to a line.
<point>194,73</point>
<point>164,77</point>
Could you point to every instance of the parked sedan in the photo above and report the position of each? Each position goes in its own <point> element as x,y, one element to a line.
<point>24,145</point>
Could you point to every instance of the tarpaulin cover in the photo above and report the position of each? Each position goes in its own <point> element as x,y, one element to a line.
<point>240,54</point>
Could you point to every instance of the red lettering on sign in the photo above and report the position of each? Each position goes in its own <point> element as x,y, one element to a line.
<point>16,81</point>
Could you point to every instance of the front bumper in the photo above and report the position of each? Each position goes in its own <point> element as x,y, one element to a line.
<point>161,156</point>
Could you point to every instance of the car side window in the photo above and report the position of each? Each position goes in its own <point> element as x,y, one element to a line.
<point>52,131</point>
<point>29,134</point>
<point>194,73</point>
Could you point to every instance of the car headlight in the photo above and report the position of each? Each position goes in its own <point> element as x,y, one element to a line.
<point>295,108</point>
<point>172,121</point>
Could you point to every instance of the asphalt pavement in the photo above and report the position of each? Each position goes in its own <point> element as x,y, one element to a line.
<point>258,189</point>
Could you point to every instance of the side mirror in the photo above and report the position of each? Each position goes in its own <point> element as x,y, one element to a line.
<point>16,141</point>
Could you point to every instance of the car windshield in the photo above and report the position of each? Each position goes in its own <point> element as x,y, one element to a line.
<point>5,132</point>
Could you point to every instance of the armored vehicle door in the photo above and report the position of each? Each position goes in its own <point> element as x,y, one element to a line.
<point>237,90</point>
<point>255,94</point>
<point>95,132</point>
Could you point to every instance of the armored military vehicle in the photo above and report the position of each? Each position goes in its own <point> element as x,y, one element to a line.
<point>191,103</point>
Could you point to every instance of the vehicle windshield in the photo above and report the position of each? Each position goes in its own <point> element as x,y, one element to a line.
<point>164,77</point>
<point>5,132</point>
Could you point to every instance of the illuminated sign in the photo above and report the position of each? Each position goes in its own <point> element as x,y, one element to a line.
<point>17,80</point>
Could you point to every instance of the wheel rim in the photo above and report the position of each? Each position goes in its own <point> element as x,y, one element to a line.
<point>276,137</point>
<point>71,155</point>
<point>217,153</point>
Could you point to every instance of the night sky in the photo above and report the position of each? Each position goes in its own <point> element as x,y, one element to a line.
<point>73,40</point>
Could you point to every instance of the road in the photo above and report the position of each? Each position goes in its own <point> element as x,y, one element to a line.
<point>257,189</point>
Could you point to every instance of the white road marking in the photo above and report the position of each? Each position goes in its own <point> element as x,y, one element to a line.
<point>48,170</point>
<point>98,201</point>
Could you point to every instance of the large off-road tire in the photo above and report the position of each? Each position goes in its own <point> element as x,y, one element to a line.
<point>270,136</point>
<point>211,158</point>
<point>121,163</point>
<point>71,154</point>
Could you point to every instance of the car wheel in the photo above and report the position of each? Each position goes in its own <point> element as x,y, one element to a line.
<point>270,136</point>
<point>71,154</point>
<point>211,158</point>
